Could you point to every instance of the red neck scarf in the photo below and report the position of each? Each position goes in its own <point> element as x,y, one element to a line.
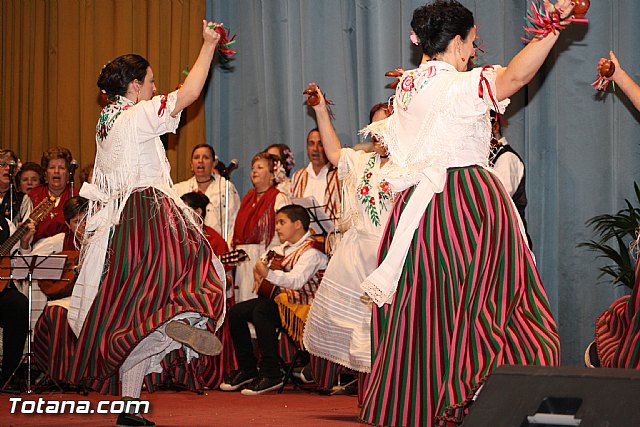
<point>256,220</point>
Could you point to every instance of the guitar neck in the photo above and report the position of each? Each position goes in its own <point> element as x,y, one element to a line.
<point>8,244</point>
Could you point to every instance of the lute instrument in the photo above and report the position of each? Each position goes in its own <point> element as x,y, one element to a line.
<point>37,214</point>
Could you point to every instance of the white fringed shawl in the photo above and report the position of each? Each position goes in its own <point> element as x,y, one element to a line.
<point>439,122</point>
<point>130,157</point>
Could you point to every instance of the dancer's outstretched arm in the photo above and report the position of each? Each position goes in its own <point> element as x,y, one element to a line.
<point>624,81</point>
<point>528,61</point>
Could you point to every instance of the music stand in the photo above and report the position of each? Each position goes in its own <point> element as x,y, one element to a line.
<point>33,267</point>
<point>316,212</point>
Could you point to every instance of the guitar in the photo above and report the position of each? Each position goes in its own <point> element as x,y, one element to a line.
<point>234,257</point>
<point>37,214</point>
<point>273,261</point>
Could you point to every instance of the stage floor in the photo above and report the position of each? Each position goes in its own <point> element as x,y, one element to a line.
<point>213,408</point>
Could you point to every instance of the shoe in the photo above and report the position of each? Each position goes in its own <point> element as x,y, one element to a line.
<point>238,379</point>
<point>591,359</point>
<point>348,389</point>
<point>262,384</point>
<point>125,420</point>
<point>304,374</point>
<point>201,340</point>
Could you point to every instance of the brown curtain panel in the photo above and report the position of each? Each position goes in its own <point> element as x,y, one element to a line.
<point>52,52</point>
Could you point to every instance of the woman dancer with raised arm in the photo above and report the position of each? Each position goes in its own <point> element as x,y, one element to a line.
<point>457,289</point>
<point>338,328</point>
<point>149,282</point>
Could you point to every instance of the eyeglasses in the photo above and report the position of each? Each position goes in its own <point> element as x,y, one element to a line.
<point>4,165</point>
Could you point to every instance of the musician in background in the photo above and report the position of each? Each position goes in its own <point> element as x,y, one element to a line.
<point>199,202</point>
<point>14,314</point>
<point>303,265</point>
<point>320,180</point>
<point>21,205</point>
<point>57,164</point>
<point>29,176</point>
<point>254,229</point>
<point>212,185</point>
<point>54,341</point>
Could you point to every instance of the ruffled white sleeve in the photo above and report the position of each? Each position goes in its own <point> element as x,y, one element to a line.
<point>153,117</point>
<point>476,91</point>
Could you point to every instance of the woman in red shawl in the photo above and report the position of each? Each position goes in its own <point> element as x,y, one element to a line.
<point>56,162</point>
<point>255,223</point>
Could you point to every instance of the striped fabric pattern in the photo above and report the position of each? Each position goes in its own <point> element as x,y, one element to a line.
<point>618,331</point>
<point>331,193</point>
<point>469,299</point>
<point>157,268</point>
<point>325,372</point>
<point>54,342</point>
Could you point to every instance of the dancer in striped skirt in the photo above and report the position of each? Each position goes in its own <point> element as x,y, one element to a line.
<point>457,289</point>
<point>149,283</point>
<point>618,328</point>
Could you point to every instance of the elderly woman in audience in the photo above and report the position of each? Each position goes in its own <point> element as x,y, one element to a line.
<point>255,225</point>
<point>29,176</point>
<point>56,162</point>
<point>212,185</point>
<point>19,207</point>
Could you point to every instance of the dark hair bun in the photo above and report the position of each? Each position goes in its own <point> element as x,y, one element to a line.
<point>116,75</point>
<point>436,24</point>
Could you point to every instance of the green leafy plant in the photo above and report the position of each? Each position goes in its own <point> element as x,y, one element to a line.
<point>615,233</point>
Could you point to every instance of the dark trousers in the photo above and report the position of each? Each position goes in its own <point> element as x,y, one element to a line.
<point>14,318</point>
<point>264,315</point>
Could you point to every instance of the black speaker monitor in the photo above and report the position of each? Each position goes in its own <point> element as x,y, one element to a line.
<point>535,396</point>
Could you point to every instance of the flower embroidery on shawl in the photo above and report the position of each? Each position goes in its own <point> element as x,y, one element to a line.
<point>367,197</point>
<point>109,114</point>
<point>412,83</point>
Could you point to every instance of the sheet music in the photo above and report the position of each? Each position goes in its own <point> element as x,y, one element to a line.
<point>320,222</point>
<point>45,267</point>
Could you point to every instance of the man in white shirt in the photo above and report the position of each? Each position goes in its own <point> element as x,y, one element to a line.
<point>303,263</point>
<point>319,179</point>
<point>509,167</point>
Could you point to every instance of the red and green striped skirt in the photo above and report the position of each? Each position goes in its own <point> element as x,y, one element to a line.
<point>156,267</point>
<point>618,331</point>
<point>469,299</point>
<point>54,342</point>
